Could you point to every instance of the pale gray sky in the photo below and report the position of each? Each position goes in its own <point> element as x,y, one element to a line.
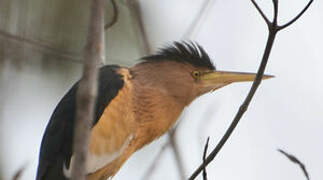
<point>286,111</point>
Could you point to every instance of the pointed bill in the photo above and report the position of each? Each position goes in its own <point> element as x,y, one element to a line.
<point>227,77</point>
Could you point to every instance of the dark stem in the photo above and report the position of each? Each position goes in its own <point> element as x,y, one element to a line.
<point>87,90</point>
<point>275,3</point>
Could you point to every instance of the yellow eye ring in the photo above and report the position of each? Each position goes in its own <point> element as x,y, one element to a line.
<point>196,74</point>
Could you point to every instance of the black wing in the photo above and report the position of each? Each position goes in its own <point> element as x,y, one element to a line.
<point>56,147</point>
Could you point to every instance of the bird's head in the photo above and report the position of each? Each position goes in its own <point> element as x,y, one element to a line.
<point>185,71</point>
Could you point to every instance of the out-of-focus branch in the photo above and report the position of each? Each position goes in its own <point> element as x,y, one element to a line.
<point>152,168</point>
<point>18,173</point>
<point>177,155</point>
<point>115,15</point>
<point>64,54</point>
<point>192,30</point>
<point>273,29</point>
<point>87,90</point>
<point>134,7</point>
<point>295,160</point>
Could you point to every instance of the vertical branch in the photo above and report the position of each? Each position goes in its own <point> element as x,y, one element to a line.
<point>87,90</point>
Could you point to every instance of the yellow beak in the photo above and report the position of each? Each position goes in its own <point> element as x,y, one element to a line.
<point>226,77</point>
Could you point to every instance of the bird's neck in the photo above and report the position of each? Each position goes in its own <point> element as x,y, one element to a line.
<point>156,113</point>
<point>155,109</point>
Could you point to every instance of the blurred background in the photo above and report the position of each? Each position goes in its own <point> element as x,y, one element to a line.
<point>40,58</point>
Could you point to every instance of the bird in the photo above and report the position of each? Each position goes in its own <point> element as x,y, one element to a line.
<point>134,106</point>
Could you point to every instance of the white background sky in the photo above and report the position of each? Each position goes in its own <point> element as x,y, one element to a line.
<point>286,111</point>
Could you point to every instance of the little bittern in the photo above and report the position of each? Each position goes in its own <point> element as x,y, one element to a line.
<point>134,106</point>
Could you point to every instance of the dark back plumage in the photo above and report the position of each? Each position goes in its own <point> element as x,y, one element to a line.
<point>183,52</point>
<point>56,148</point>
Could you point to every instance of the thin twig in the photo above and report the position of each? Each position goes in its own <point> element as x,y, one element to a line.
<point>115,15</point>
<point>273,29</point>
<point>204,157</point>
<point>295,160</point>
<point>296,17</point>
<point>87,90</point>
<point>260,12</point>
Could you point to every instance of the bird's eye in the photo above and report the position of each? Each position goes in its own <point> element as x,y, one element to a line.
<point>196,74</point>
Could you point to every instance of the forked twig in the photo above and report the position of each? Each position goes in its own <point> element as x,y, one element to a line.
<point>273,29</point>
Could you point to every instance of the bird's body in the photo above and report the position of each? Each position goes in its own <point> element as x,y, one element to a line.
<point>134,107</point>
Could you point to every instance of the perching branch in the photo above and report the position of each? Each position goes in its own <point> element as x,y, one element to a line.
<point>115,15</point>
<point>295,160</point>
<point>273,29</point>
<point>87,90</point>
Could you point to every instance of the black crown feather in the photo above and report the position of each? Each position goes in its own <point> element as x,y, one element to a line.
<point>183,52</point>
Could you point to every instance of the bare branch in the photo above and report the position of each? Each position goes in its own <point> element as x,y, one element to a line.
<point>296,17</point>
<point>273,29</point>
<point>261,12</point>
<point>204,157</point>
<point>295,160</point>
<point>87,90</point>
<point>115,15</point>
